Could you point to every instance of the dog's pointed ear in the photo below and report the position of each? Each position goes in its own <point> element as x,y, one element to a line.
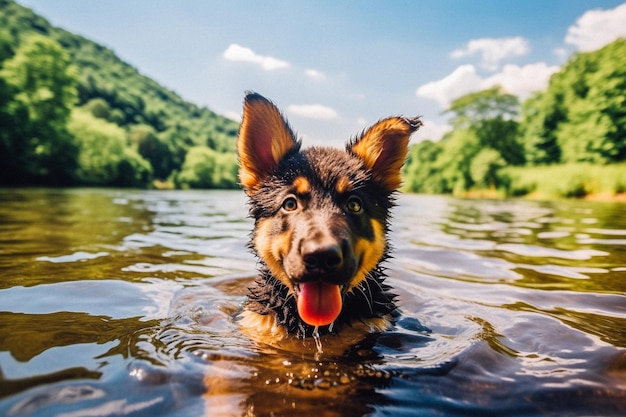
<point>384,148</point>
<point>264,139</point>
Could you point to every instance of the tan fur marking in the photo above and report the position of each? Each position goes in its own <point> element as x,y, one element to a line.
<point>379,324</point>
<point>272,249</point>
<point>343,185</point>
<point>303,186</point>
<point>262,327</point>
<point>369,148</point>
<point>369,252</point>
<point>384,148</point>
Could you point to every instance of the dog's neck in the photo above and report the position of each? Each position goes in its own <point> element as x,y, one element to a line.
<point>371,302</point>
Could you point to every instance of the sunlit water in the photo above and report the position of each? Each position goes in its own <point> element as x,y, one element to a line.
<point>117,302</point>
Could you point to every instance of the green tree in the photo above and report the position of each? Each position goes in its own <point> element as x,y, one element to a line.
<point>485,166</point>
<point>483,140</point>
<point>596,127</point>
<point>42,91</point>
<point>420,173</point>
<point>491,115</point>
<point>454,162</point>
<point>104,157</point>
<point>99,108</point>
<point>148,145</point>
<point>541,115</point>
<point>112,90</point>
<point>6,45</point>
<point>205,168</point>
<point>581,117</point>
<point>178,142</point>
<point>165,151</point>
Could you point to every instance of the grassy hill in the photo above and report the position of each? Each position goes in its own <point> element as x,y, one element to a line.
<point>154,124</point>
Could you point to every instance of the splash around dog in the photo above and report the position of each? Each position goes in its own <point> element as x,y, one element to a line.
<point>321,219</point>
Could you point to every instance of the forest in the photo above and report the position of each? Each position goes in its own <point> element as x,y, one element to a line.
<point>566,141</point>
<point>73,113</point>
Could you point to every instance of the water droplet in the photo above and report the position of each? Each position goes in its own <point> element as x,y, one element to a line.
<point>318,343</point>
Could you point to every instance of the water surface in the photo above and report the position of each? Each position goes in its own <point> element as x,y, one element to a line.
<point>118,302</point>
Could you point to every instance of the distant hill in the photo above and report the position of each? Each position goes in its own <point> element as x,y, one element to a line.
<point>156,122</point>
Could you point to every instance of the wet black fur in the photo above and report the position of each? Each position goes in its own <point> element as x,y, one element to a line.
<point>322,167</point>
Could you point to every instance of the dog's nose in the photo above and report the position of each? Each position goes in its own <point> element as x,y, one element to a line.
<point>322,259</point>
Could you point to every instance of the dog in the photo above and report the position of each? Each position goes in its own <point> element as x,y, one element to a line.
<point>321,219</point>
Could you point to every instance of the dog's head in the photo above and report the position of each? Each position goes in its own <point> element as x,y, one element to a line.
<point>321,214</point>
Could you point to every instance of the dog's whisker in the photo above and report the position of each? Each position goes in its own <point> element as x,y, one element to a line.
<point>289,297</point>
<point>366,296</point>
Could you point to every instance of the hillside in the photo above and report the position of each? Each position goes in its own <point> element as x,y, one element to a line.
<point>108,98</point>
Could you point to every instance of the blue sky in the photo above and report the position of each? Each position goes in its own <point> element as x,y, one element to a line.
<point>336,67</point>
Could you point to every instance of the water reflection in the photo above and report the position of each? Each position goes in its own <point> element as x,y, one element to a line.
<point>122,302</point>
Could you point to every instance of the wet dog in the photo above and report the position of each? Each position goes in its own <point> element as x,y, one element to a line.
<point>321,218</point>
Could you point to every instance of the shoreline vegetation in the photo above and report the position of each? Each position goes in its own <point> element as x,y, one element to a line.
<point>552,182</point>
<point>576,180</point>
<point>74,114</point>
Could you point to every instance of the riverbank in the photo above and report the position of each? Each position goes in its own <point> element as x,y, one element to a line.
<point>541,196</point>
<point>553,182</point>
<point>579,180</point>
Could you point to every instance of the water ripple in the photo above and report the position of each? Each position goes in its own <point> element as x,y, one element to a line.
<point>506,308</point>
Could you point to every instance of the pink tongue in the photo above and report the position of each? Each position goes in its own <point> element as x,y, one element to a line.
<point>319,304</point>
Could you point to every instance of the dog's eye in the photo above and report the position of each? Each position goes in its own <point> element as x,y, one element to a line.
<point>354,205</point>
<point>290,204</point>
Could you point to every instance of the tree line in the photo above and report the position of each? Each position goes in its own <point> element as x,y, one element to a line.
<point>497,143</point>
<point>73,113</point>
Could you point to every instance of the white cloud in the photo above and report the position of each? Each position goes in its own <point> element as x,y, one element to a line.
<point>460,82</point>
<point>493,50</point>
<point>596,28</point>
<point>514,79</point>
<point>522,81</point>
<point>312,111</point>
<point>239,53</point>
<point>315,74</point>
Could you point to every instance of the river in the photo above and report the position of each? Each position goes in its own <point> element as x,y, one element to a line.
<point>121,302</point>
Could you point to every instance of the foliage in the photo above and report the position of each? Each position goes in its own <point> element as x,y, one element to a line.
<point>205,168</point>
<point>481,106</point>
<point>490,115</point>
<point>484,167</point>
<point>541,114</point>
<point>104,157</point>
<point>40,90</point>
<point>71,112</point>
<point>566,180</point>
<point>166,151</point>
<point>484,139</point>
<point>420,173</point>
<point>579,118</point>
<point>46,73</point>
